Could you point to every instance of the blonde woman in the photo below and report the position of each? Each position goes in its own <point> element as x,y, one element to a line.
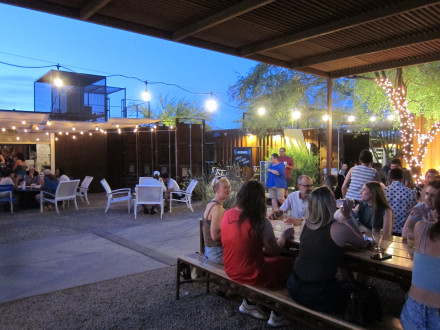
<point>212,219</point>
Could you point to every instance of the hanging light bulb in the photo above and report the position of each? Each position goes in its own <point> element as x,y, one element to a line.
<point>23,122</point>
<point>325,117</point>
<point>73,128</point>
<point>58,82</point>
<point>261,111</point>
<point>211,104</point>
<point>48,123</point>
<point>373,118</point>
<point>146,96</point>
<point>390,117</point>
<point>350,119</point>
<point>296,114</point>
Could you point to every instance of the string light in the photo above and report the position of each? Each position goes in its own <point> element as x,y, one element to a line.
<point>146,96</point>
<point>261,111</point>
<point>211,104</point>
<point>397,96</point>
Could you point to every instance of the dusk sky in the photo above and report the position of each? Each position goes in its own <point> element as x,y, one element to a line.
<point>32,38</point>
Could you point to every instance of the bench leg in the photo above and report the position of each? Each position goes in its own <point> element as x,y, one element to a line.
<point>178,280</point>
<point>207,283</point>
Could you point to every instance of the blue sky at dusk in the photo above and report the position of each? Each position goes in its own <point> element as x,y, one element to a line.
<point>31,38</point>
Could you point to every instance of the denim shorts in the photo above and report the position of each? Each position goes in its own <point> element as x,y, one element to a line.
<point>418,316</point>
<point>214,254</point>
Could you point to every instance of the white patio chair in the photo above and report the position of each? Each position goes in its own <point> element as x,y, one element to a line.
<point>118,195</point>
<point>149,195</point>
<point>142,179</point>
<point>84,188</point>
<point>8,197</point>
<point>66,191</point>
<point>186,195</point>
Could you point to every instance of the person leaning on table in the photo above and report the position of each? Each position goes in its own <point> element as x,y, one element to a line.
<point>296,202</point>
<point>313,282</point>
<point>422,307</point>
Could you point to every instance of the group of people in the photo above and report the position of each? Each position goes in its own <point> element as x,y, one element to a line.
<point>242,238</point>
<point>168,185</point>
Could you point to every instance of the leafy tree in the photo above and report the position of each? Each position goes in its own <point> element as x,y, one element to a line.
<point>170,109</point>
<point>280,91</point>
<point>408,92</point>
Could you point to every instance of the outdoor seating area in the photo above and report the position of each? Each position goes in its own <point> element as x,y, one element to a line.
<point>293,185</point>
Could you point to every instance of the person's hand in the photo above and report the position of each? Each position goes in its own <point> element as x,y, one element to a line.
<point>418,212</point>
<point>288,233</point>
<point>295,221</point>
<point>275,215</point>
<point>347,207</point>
<point>429,217</point>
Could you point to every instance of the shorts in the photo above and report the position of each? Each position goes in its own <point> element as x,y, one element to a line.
<point>214,254</point>
<point>418,316</point>
<point>275,192</point>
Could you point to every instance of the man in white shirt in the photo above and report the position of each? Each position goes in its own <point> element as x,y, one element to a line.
<point>296,202</point>
<point>171,185</point>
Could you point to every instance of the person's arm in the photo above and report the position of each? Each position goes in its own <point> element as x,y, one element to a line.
<point>216,222</point>
<point>346,182</point>
<point>388,223</point>
<point>271,244</point>
<point>290,164</point>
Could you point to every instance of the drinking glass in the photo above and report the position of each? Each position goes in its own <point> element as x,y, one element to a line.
<point>340,203</point>
<point>377,234</point>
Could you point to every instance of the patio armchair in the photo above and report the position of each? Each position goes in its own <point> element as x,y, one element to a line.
<point>186,195</point>
<point>84,188</point>
<point>118,195</point>
<point>149,195</point>
<point>66,191</point>
<point>142,179</point>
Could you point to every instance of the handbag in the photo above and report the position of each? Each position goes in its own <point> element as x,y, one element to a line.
<point>364,305</point>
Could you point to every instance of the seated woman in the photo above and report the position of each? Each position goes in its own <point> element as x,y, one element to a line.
<point>422,307</point>
<point>374,211</point>
<point>312,282</point>
<point>250,247</point>
<point>212,219</point>
<point>33,177</point>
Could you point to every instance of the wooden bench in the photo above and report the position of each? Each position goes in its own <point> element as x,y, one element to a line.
<point>274,299</point>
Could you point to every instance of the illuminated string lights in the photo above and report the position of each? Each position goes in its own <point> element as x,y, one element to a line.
<point>409,133</point>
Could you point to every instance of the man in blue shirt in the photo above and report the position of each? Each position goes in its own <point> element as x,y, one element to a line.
<point>276,181</point>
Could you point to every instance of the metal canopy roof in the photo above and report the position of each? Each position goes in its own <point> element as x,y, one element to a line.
<point>331,38</point>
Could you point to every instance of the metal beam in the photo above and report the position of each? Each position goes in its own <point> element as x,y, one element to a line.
<point>368,49</point>
<point>387,65</point>
<point>91,8</point>
<point>381,13</point>
<point>220,17</point>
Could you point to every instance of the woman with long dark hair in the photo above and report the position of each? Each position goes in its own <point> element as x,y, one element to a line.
<point>250,248</point>
<point>422,307</point>
<point>313,280</point>
<point>374,211</point>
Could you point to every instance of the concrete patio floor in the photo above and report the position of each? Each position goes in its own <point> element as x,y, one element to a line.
<point>45,252</point>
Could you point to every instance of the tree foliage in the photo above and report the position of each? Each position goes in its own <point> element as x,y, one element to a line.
<point>170,109</point>
<point>280,91</point>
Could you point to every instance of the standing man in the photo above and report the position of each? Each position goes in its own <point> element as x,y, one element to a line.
<point>289,164</point>
<point>171,185</point>
<point>276,181</point>
<point>401,199</point>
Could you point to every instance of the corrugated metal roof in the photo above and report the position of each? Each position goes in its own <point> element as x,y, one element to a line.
<point>331,38</point>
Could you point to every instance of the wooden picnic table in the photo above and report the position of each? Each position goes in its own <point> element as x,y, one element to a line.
<point>398,268</point>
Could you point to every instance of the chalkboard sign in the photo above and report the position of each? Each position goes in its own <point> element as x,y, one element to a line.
<point>243,156</point>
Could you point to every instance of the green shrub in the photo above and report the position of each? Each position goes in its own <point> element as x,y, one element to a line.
<point>306,163</point>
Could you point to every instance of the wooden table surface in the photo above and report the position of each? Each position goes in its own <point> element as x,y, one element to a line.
<point>398,268</point>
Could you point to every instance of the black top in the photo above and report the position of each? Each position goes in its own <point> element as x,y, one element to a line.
<point>319,256</point>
